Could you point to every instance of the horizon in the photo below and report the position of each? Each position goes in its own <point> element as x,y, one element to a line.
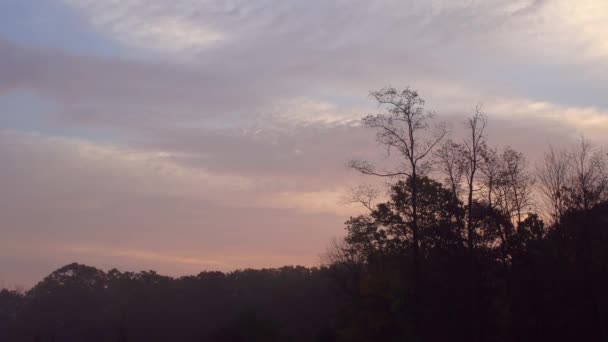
<point>140,135</point>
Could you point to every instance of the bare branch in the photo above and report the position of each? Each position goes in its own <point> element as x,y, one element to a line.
<point>368,169</point>
<point>554,176</point>
<point>363,194</point>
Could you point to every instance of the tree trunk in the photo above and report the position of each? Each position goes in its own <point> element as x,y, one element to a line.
<point>416,256</point>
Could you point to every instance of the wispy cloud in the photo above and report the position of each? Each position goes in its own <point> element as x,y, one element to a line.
<point>227,123</point>
<point>159,25</point>
<point>581,120</point>
<point>105,251</point>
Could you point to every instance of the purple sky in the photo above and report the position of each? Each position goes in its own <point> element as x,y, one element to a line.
<point>193,135</point>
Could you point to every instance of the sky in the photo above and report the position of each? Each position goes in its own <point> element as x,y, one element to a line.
<point>192,135</point>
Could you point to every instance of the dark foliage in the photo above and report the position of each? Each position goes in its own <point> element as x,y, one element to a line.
<point>81,303</point>
<point>528,282</point>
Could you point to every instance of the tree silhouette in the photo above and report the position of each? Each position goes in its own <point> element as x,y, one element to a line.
<point>402,129</point>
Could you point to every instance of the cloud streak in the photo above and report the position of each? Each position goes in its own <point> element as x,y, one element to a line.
<point>224,126</point>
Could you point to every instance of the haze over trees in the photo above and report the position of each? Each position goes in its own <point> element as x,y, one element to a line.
<point>467,242</point>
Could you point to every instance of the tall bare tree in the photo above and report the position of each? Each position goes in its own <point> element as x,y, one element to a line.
<point>573,180</point>
<point>589,182</point>
<point>490,172</point>
<point>404,128</point>
<point>450,164</point>
<point>473,148</point>
<point>554,178</point>
<point>515,184</point>
<point>472,156</point>
<point>461,162</point>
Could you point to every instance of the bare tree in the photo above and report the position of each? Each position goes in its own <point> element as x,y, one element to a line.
<point>403,128</point>
<point>589,181</point>
<point>515,184</point>
<point>450,164</point>
<point>471,152</point>
<point>490,171</point>
<point>553,174</point>
<point>463,161</point>
<point>473,148</point>
<point>339,252</point>
<point>575,180</point>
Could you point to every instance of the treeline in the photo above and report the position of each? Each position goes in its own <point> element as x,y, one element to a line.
<point>467,243</point>
<point>82,303</point>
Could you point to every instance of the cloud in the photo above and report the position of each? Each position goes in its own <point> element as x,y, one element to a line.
<point>112,92</point>
<point>186,22</point>
<point>562,28</point>
<point>104,251</point>
<point>83,175</point>
<point>588,120</point>
<point>328,201</point>
<point>225,125</point>
<point>168,28</point>
<point>280,55</point>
